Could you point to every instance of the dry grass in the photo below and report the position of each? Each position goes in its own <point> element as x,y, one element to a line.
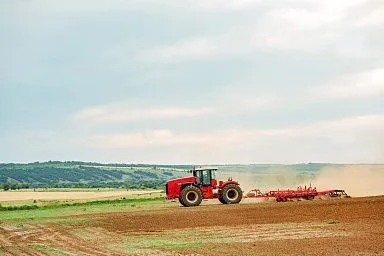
<point>7,196</point>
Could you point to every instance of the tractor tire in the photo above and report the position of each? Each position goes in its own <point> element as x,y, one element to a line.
<point>231,194</point>
<point>191,196</point>
<point>181,201</point>
<point>222,200</point>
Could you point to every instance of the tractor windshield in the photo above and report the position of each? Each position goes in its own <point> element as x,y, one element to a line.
<point>203,176</point>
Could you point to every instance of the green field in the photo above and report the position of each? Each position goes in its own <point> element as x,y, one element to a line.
<point>61,209</point>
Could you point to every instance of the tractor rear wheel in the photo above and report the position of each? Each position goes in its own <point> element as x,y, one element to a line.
<point>191,196</point>
<point>231,194</point>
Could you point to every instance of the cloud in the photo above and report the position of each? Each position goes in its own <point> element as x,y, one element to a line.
<point>338,130</point>
<point>76,8</point>
<point>373,19</point>
<point>87,7</point>
<point>353,139</point>
<point>301,26</point>
<point>266,55</point>
<point>122,113</point>
<point>166,137</point>
<point>136,139</point>
<point>366,84</point>
<point>194,48</point>
<point>215,5</point>
<point>228,103</point>
<point>341,140</point>
<point>290,25</point>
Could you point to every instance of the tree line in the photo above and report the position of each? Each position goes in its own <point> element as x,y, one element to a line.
<point>143,184</point>
<point>52,173</point>
<point>77,163</point>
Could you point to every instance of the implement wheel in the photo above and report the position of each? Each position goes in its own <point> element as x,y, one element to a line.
<point>231,194</point>
<point>191,196</point>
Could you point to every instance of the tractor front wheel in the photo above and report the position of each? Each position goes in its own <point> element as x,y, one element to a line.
<point>181,201</point>
<point>191,196</point>
<point>222,200</point>
<point>231,194</point>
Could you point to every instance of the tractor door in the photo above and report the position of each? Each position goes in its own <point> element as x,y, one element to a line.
<point>205,183</point>
<point>204,177</point>
<point>213,179</point>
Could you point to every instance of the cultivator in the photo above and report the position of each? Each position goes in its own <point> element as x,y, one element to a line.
<point>299,193</point>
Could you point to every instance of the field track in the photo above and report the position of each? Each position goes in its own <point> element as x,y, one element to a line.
<point>76,195</point>
<point>319,227</point>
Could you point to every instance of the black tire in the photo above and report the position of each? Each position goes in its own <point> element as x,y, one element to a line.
<point>232,194</point>
<point>191,196</point>
<point>222,200</point>
<point>181,201</point>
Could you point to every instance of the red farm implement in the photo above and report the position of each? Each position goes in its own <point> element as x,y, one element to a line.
<point>299,193</point>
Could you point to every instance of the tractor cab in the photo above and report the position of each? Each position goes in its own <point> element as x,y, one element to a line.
<point>205,176</point>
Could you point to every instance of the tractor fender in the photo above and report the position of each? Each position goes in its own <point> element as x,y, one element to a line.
<point>225,183</point>
<point>183,185</point>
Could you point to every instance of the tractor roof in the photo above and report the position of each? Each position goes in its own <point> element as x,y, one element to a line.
<point>202,168</point>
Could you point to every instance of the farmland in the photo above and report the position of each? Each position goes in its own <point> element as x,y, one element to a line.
<point>69,195</point>
<point>86,220</point>
<point>315,227</point>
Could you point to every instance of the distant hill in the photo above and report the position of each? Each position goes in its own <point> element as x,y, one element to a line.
<point>138,176</point>
<point>74,172</point>
<point>90,173</point>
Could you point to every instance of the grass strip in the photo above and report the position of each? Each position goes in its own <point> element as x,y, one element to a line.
<point>97,202</point>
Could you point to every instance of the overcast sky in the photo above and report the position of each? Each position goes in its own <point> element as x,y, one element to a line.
<point>245,81</point>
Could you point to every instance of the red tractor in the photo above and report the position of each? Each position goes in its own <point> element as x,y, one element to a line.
<point>203,185</point>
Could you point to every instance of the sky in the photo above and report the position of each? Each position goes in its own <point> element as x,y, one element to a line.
<point>192,82</point>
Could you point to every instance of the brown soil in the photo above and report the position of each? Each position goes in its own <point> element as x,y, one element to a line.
<point>320,227</point>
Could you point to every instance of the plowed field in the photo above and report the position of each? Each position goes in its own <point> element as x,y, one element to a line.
<point>320,227</point>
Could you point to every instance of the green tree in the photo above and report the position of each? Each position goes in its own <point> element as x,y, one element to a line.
<point>6,187</point>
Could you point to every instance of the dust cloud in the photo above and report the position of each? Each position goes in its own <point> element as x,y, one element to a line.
<point>356,180</point>
<point>276,178</point>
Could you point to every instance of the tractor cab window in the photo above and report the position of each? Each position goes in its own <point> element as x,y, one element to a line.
<point>199,176</point>
<point>213,174</point>
<point>203,177</point>
<point>207,177</point>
